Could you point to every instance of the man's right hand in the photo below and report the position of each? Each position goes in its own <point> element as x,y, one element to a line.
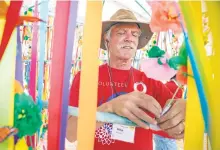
<point>133,106</point>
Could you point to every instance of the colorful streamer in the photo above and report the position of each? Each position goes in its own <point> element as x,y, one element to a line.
<point>32,84</point>
<point>11,19</point>
<point>7,76</point>
<point>42,35</point>
<point>59,51</point>
<point>7,68</point>
<point>214,103</point>
<point>68,64</point>
<point>194,26</point>
<point>43,29</point>
<point>109,118</point>
<point>33,62</point>
<point>208,85</point>
<point>89,71</point>
<point>194,125</point>
<point>19,67</point>
<point>21,145</point>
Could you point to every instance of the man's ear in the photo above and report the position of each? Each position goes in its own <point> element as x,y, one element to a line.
<point>106,39</point>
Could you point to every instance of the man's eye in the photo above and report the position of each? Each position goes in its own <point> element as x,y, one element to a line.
<point>136,34</point>
<point>121,33</point>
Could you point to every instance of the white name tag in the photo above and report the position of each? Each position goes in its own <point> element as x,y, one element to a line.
<point>123,133</point>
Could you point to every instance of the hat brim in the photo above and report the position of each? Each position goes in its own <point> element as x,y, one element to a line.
<point>143,39</point>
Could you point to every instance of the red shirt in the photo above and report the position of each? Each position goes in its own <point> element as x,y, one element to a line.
<point>143,138</point>
<point>172,86</point>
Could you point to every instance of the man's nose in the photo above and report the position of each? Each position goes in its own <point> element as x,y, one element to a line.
<point>129,38</point>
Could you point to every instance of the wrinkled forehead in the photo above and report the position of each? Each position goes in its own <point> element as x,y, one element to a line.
<point>133,26</point>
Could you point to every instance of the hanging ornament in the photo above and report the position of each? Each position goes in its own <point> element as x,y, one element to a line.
<point>27,115</point>
<point>26,37</point>
<point>165,16</point>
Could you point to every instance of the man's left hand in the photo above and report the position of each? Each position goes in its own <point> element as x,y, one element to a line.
<point>173,121</point>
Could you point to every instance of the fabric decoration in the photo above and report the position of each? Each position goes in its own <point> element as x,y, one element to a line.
<point>158,66</point>
<point>27,115</point>
<point>165,16</point>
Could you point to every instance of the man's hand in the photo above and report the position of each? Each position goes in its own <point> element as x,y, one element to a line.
<point>133,106</point>
<point>173,121</point>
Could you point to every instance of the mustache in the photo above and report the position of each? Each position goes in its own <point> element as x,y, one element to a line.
<point>131,46</point>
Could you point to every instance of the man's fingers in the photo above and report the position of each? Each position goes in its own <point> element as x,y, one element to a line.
<point>176,130</point>
<point>178,136</point>
<point>135,119</point>
<point>142,115</point>
<point>171,123</point>
<point>150,104</point>
<point>153,101</point>
<point>170,114</point>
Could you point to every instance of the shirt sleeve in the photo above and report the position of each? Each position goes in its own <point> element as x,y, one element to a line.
<point>74,91</point>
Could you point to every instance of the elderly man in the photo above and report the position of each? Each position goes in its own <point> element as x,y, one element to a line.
<point>128,92</point>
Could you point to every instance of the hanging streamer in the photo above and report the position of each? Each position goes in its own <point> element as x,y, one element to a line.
<point>202,78</point>
<point>7,76</point>
<point>46,80</point>
<point>194,25</point>
<point>194,124</point>
<point>213,16</point>
<point>32,84</point>
<point>11,19</point>
<point>59,51</point>
<point>43,29</point>
<point>89,71</point>
<point>33,62</point>
<point>7,68</point>
<point>19,67</point>
<point>68,64</point>
<point>21,145</point>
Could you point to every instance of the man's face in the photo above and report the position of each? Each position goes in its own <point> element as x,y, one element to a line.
<point>123,40</point>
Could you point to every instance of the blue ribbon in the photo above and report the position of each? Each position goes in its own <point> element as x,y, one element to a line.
<point>43,30</point>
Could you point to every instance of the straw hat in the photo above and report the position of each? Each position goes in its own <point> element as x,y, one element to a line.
<point>126,16</point>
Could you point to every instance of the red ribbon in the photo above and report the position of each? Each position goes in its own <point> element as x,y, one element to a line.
<point>12,17</point>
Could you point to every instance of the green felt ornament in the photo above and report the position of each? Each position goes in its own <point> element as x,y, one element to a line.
<point>27,115</point>
<point>26,37</point>
<point>173,62</point>
<point>159,61</point>
<point>30,9</point>
<point>155,52</point>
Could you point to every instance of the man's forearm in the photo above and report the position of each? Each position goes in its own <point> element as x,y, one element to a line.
<point>71,131</point>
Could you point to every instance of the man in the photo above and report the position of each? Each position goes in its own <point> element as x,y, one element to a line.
<point>120,86</point>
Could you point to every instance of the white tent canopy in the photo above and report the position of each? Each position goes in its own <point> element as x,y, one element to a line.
<point>139,7</point>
